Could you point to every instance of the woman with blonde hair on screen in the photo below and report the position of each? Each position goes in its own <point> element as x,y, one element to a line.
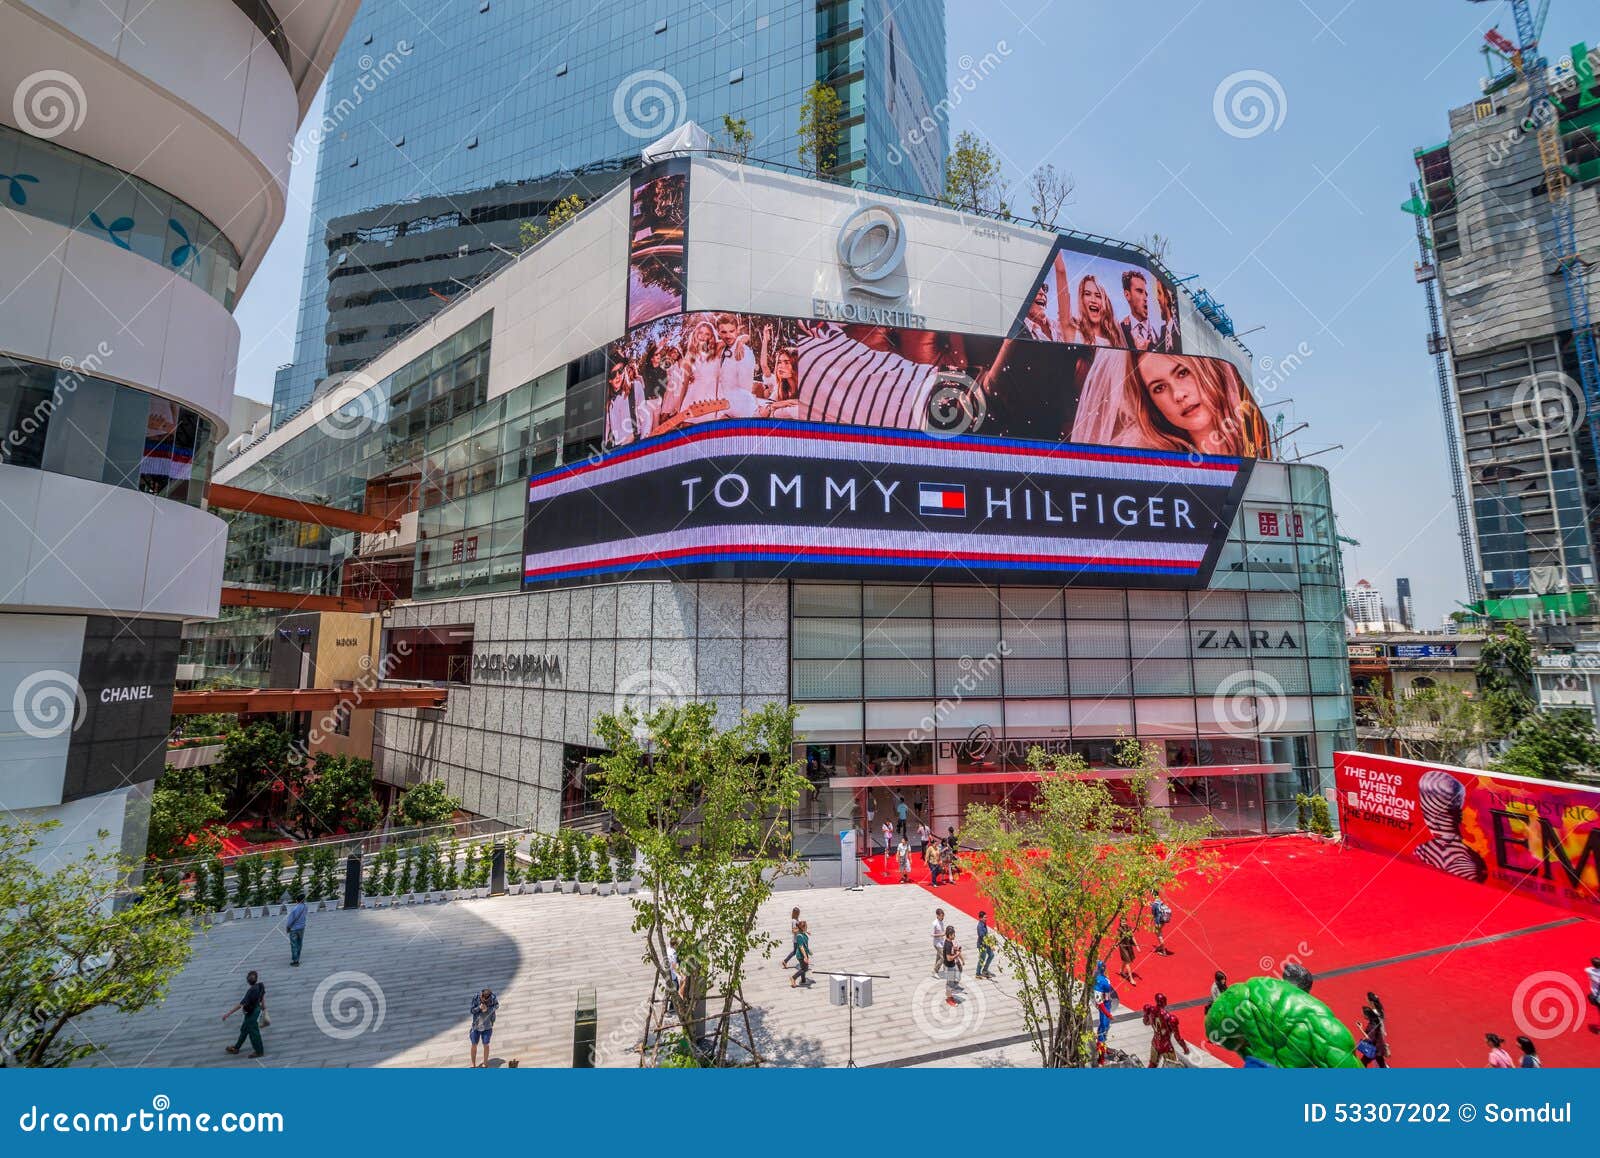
<point>1164,402</point>
<point>1097,321</point>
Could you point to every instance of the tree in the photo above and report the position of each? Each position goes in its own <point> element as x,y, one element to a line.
<point>1051,192</point>
<point>66,950</point>
<point>1505,677</point>
<point>336,793</point>
<point>1156,245</point>
<point>737,136</point>
<point>708,808</point>
<point>256,755</point>
<point>820,113</point>
<point>972,177</point>
<point>184,812</point>
<point>1066,875</point>
<point>563,211</point>
<point>1551,745</point>
<point>428,803</point>
<point>1443,723</point>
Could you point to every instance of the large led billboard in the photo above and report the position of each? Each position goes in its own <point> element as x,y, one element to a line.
<point>753,497</point>
<point>689,369</point>
<point>1096,296</point>
<point>658,217</point>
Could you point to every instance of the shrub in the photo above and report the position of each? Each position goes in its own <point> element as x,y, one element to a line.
<point>513,863</point>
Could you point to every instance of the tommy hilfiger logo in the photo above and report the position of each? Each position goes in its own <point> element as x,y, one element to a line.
<point>942,499</point>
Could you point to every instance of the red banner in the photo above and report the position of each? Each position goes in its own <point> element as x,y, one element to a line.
<point>1535,837</point>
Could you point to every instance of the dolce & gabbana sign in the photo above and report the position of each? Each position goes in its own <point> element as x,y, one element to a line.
<point>511,666</point>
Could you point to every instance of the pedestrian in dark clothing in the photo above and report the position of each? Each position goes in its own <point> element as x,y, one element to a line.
<point>1530,1054</point>
<point>254,1007</point>
<point>802,956</point>
<point>1373,1047</point>
<point>985,949</point>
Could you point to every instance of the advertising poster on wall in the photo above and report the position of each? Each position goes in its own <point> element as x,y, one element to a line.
<point>1535,837</point>
<point>657,236</point>
<point>751,498</point>
<point>687,369</point>
<point>1101,298</point>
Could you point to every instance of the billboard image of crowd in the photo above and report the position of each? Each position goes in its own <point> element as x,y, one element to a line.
<point>657,232</point>
<point>687,369</point>
<point>1096,299</point>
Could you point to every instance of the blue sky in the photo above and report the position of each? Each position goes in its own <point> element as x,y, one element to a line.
<point>1296,227</point>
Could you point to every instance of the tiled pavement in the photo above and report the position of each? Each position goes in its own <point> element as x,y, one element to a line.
<point>420,966</point>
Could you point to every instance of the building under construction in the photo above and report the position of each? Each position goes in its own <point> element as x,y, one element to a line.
<point>1508,223</point>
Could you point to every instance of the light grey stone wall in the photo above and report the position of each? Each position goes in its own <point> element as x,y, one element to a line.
<point>498,742</point>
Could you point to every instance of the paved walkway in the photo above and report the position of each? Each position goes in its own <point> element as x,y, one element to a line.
<point>393,986</point>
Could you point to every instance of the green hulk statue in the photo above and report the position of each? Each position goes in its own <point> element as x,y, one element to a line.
<point>1277,1023</point>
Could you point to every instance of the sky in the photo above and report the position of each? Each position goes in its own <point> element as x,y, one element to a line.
<point>1287,209</point>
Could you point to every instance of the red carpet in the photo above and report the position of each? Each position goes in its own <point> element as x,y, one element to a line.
<point>1337,909</point>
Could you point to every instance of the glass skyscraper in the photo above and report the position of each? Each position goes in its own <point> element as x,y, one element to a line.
<point>444,99</point>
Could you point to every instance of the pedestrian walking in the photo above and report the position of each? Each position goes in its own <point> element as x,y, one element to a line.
<point>935,862</point>
<point>900,811</point>
<point>924,835</point>
<point>950,958</point>
<point>1219,986</point>
<point>938,941</point>
<point>802,957</point>
<point>1160,914</point>
<point>295,925</point>
<point>1499,1059</point>
<point>951,862</point>
<point>1167,1033</point>
<point>1593,974</point>
<point>903,853</point>
<point>985,947</point>
<point>484,1007</point>
<point>1530,1055</point>
<point>794,932</point>
<point>1373,1048</point>
<point>888,840</point>
<point>1127,949</point>
<point>254,1007</point>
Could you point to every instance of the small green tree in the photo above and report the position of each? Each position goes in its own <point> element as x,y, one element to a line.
<point>1051,192</point>
<point>255,757</point>
<point>1441,723</point>
<point>513,861</point>
<point>246,870</point>
<point>66,949</point>
<point>216,884</point>
<point>1554,745</point>
<point>407,873</point>
<point>820,113</point>
<point>709,807</point>
<point>563,211</point>
<point>1065,875</point>
<point>973,181</point>
<point>427,803</point>
<point>1505,677</point>
<point>184,813</point>
<point>1312,815</point>
<point>736,136</point>
<point>337,793</point>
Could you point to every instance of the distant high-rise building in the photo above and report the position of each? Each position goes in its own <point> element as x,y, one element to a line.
<point>1402,603</point>
<point>1493,199</point>
<point>477,96</point>
<point>1364,604</point>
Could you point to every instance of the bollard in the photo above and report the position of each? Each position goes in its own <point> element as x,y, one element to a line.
<point>497,871</point>
<point>585,1025</point>
<point>352,881</point>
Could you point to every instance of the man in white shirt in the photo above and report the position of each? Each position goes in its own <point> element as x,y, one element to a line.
<point>938,942</point>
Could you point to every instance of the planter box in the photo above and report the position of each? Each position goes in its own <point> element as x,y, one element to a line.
<point>606,888</point>
<point>549,886</point>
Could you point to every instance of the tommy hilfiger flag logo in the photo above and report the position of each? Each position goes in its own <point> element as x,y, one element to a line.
<point>942,499</point>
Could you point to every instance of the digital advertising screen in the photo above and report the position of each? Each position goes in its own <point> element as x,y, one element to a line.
<point>753,497</point>
<point>657,241</point>
<point>689,369</point>
<point>1530,836</point>
<point>1100,298</point>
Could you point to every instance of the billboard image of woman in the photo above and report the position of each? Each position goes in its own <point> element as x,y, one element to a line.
<point>1157,401</point>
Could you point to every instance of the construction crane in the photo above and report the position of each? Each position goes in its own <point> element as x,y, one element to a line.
<point>1427,273</point>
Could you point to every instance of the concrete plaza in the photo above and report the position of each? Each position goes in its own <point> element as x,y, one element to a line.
<point>392,987</point>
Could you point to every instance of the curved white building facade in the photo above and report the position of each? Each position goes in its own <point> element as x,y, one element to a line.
<point>144,161</point>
